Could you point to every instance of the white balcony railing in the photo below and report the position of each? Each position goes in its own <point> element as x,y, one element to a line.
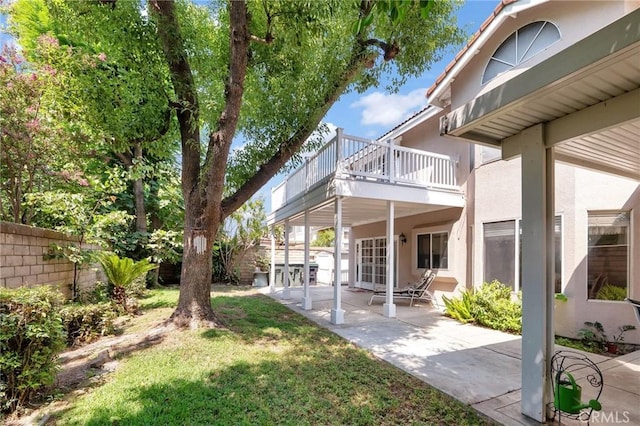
<point>352,157</point>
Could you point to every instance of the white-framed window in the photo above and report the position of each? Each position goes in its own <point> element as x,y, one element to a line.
<point>520,46</point>
<point>503,252</point>
<point>432,250</point>
<point>608,255</point>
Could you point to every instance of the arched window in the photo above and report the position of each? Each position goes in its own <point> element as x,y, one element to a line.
<point>520,46</point>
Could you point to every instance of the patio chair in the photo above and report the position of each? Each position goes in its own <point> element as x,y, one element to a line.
<point>636,307</point>
<point>418,290</point>
<point>422,292</point>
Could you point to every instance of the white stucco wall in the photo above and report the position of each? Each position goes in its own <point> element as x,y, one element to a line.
<point>574,19</point>
<point>578,191</point>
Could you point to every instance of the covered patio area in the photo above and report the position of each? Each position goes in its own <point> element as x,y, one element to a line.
<point>478,366</point>
<point>582,107</point>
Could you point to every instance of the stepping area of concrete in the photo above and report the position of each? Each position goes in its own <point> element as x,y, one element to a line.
<point>478,366</point>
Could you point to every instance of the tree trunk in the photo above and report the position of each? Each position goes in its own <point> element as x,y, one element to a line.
<point>156,224</point>
<point>194,304</point>
<point>138,192</point>
<point>138,186</point>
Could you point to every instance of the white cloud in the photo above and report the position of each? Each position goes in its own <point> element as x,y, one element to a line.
<point>387,110</point>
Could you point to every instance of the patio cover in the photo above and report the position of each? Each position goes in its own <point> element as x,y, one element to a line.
<point>581,106</point>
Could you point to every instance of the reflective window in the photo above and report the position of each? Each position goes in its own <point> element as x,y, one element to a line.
<point>608,255</point>
<point>521,46</point>
<point>433,250</point>
<point>502,248</point>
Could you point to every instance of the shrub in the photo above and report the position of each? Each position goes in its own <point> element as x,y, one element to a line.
<point>490,306</point>
<point>494,308</point>
<point>592,336</point>
<point>84,323</point>
<point>224,268</point>
<point>460,308</point>
<point>127,278</point>
<point>31,336</point>
<point>98,293</point>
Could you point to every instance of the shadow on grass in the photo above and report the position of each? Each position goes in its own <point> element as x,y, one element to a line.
<point>295,389</point>
<point>255,317</point>
<point>159,298</point>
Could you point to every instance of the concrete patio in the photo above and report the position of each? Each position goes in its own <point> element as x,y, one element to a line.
<point>478,366</point>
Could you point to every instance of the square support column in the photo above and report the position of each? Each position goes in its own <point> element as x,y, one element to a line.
<point>286,292</point>
<point>389,308</point>
<point>272,270</point>
<point>306,298</point>
<point>337,313</point>
<point>537,271</point>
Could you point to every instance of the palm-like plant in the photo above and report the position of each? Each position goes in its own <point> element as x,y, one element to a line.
<point>122,273</point>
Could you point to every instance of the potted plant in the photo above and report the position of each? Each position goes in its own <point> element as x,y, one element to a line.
<point>612,347</point>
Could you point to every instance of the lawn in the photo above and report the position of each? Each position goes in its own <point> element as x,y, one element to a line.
<point>268,366</point>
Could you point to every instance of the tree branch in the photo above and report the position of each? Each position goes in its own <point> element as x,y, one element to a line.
<point>268,39</point>
<point>125,158</point>
<point>290,146</point>
<point>220,140</point>
<point>186,96</point>
<point>390,50</point>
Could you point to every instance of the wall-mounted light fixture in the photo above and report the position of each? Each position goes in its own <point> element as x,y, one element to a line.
<point>403,238</point>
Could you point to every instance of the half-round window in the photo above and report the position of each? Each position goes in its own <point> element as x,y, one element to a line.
<point>520,46</point>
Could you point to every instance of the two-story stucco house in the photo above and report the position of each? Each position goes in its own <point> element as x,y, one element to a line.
<point>525,167</point>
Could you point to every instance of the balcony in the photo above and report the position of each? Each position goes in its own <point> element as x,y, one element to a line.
<point>361,160</point>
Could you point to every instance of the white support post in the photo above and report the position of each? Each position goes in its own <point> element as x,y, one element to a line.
<point>353,259</point>
<point>391,161</point>
<point>306,173</point>
<point>306,298</point>
<point>550,185</point>
<point>286,292</point>
<point>337,313</point>
<point>339,166</point>
<point>537,271</point>
<point>272,270</point>
<point>389,308</point>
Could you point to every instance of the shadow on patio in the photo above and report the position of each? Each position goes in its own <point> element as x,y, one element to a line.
<point>478,366</point>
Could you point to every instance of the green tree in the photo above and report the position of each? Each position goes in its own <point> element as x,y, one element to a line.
<point>115,84</point>
<point>241,232</point>
<point>267,71</point>
<point>35,152</point>
<point>326,238</point>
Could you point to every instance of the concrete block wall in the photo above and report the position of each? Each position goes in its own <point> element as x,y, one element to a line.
<point>23,259</point>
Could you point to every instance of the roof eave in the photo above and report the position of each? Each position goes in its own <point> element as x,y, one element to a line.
<point>504,10</point>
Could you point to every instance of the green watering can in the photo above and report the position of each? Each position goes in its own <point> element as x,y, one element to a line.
<point>568,394</point>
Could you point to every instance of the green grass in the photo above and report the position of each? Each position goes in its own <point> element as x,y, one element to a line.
<point>578,344</point>
<point>268,366</point>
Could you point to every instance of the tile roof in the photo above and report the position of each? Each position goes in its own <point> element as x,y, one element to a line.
<point>483,27</point>
<point>405,121</point>
<point>501,5</point>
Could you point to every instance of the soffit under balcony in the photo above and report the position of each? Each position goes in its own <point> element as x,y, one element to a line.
<point>364,202</point>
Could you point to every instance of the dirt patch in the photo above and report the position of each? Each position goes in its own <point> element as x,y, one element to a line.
<point>82,367</point>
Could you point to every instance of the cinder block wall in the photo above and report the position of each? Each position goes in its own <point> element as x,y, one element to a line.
<point>23,251</point>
